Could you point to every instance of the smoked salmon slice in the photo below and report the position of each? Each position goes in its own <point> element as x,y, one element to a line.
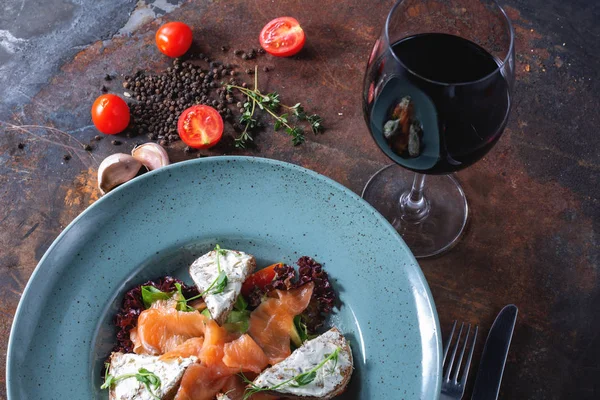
<point>162,328</point>
<point>203,381</point>
<point>243,354</point>
<point>213,349</point>
<point>200,382</point>
<point>190,347</point>
<point>272,321</point>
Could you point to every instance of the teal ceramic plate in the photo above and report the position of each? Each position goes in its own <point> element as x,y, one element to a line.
<point>158,223</point>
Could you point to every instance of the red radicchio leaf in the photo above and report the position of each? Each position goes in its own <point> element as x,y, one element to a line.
<point>322,300</point>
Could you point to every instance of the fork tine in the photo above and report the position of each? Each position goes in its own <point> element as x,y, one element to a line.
<point>451,362</point>
<point>462,353</point>
<point>447,345</point>
<point>463,379</point>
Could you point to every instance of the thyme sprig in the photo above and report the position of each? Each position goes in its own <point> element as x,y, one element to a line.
<point>271,104</point>
<point>299,380</point>
<point>149,379</point>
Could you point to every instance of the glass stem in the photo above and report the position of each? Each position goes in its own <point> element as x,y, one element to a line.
<point>413,204</point>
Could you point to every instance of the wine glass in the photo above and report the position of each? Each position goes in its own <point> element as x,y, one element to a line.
<point>436,98</point>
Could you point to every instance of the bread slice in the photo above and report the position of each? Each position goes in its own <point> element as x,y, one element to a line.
<point>169,372</point>
<point>331,379</point>
<point>204,271</point>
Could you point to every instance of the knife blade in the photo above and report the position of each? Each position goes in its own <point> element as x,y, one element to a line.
<point>495,351</point>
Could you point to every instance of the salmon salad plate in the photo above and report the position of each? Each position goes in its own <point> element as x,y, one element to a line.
<point>228,278</point>
<point>235,334</point>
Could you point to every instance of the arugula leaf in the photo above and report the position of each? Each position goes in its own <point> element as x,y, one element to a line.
<point>206,313</point>
<point>240,303</point>
<point>182,304</point>
<point>150,294</point>
<point>238,321</point>
<point>301,329</point>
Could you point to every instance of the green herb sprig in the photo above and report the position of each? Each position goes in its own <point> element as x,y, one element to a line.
<point>271,104</point>
<point>149,379</point>
<point>218,285</point>
<point>220,282</point>
<point>299,380</point>
<point>150,294</point>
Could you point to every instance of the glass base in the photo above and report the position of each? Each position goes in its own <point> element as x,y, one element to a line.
<point>435,230</point>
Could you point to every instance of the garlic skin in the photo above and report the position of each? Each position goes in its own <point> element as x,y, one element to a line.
<point>115,170</point>
<point>151,155</point>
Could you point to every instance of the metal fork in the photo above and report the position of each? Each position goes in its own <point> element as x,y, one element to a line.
<point>452,388</point>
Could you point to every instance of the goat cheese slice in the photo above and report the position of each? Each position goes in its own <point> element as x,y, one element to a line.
<point>236,265</point>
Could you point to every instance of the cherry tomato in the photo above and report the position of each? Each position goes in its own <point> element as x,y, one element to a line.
<point>282,37</point>
<point>173,39</point>
<point>110,114</point>
<point>260,278</point>
<point>200,126</point>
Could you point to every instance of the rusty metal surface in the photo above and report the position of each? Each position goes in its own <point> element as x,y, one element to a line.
<point>533,236</point>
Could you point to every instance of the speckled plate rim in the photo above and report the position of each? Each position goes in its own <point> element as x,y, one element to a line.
<point>328,181</point>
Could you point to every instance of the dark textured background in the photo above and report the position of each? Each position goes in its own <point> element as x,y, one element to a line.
<point>533,234</point>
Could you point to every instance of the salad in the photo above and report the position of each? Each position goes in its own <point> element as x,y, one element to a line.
<point>237,334</point>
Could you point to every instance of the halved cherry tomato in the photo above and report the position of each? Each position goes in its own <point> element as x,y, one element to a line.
<point>260,279</point>
<point>110,114</point>
<point>200,126</point>
<point>173,39</point>
<point>282,37</point>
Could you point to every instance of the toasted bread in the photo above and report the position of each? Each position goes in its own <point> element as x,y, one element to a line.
<point>169,372</point>
<point>331,379</point>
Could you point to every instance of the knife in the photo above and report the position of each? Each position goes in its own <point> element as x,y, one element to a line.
<point>495,351</point>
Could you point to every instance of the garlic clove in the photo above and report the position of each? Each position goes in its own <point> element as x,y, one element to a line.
<point>152,155</point>
<point>115,170</point>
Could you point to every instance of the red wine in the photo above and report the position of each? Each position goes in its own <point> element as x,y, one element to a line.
<point>439,109</point>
